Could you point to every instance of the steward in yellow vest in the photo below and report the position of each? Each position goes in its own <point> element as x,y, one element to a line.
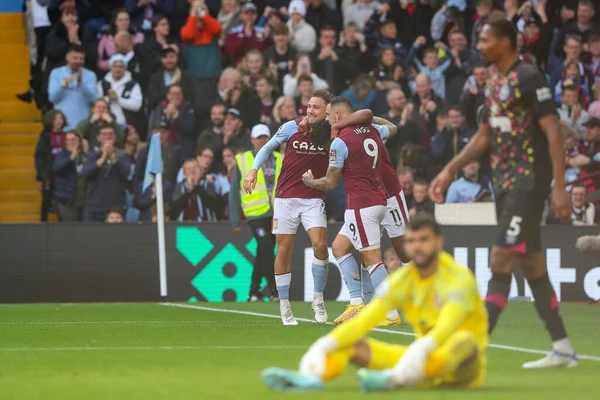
<point>257,208</point>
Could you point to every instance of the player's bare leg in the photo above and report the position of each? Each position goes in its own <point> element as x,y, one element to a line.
<point>378,273</point>
<point>318,239</point>
<point>535,271</point>
<point>342,251</point>
<point>283,276</point>
<point>398,245</point>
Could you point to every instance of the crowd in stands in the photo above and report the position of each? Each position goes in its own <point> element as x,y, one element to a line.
<point>203,73</point>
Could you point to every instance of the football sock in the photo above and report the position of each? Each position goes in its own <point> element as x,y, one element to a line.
<point>546,305</point>
<point>366,285</point>
<point>350,274</point>
<point>497,297</point>
<point>283,285</point>
<point>336,362</point>
<point>378,274</point>
<point>319,271</point>
<point>383,355</point>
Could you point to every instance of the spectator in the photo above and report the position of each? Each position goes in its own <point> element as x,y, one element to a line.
<point>571,77</point>
<point>200,40</point>
<point>450,140</point>
<point>123,94</point>
<point>270,17</point>
<point>484,9</point>
<point>257,206</point>
<point>584,212</point>
<point>590,148</point>
<point>388,73</point>
<point>468,188</point>
<point>228,17</point>
<point>72,88</point>
<point>327,63</point>
<point>391,260</point>
<point>154,45</point>
<point>421,202</point>
<point>360,11</point>
<point>212,137</point>
<point>594,109</point>
<point>170,74</point>
<point>352,50</point>
<point>412,18</point>
<point>537,41</point>
<point>436,70</point>
<point>473,95</point>
<point>302,67</point>
<point>41,29</point>
<point>114,216</point>
<point>142,12</point>
<point>305,90</point>
<point>284,110</point>
<point>405,177</point>
<point>574,159</point>
<point>361,93</point>
<point>264,90</point>
<point>572,50</point>
<point>461,68</point>
<point>594,64</point>
<point>172,160</point>
<point>582,26</point>
<point>70,187</point>
<point>234,134</point>
<point>246,36</point>
<point>304,36</point>
<point>252,68</point>
<point>135,58</point>
<point>231,92</point>
<point>180,118</point>
<point>90,127</point>
<point>106,170</point>
<point>571,112</point>
<point>64,34</point>
<point>106,46</point>
<point>50,143</point>
<point>386,37</point>
<point>425,105</point>
<point>195,198</point>
<point>280,57</point>
<point>318,15</point>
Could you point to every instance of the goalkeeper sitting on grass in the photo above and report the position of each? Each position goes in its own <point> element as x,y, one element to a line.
<point>438,297</point>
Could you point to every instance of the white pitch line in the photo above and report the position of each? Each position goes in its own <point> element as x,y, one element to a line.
<point>255,314</point>
<point>146,348</point>
<point>114,322</point>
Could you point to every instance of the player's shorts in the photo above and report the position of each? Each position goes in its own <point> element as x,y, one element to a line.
<point>519,215</point>
<point>363,227</point>
<point>288,214</point>
<point>396,216</point>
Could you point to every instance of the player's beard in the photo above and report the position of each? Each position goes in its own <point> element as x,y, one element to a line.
<point>427,263</point>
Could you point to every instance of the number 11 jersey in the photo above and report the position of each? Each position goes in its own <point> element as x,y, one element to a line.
<point>359,150</point>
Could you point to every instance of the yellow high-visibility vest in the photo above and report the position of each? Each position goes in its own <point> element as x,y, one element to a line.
<point>258,203</point>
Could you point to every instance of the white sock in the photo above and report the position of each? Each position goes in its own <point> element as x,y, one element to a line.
<point>317,296</point>
<point>356,301</point>
<point>392,315</point>
<point>284,304</point>
<point>563,346</point>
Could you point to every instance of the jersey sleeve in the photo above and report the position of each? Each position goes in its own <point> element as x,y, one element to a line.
<point>537,93</point>
<point>383,130</point>
<point>285,131</point>
<point>338,152</point>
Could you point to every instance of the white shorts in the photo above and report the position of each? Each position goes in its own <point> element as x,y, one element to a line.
<point>363,227</point>
<point>396,216</point>
<point>289,213</point>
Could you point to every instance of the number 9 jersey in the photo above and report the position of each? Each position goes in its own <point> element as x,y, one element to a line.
<point>358,150</point>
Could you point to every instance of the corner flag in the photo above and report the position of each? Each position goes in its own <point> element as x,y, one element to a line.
<point>154,162</point>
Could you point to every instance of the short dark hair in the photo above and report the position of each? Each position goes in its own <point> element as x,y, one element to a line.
<point>323,94</point>
<point>115,210</point>
<point>76,48</point>
<point>268,78</point>
<point>168,50</point>
<point>430,50</point>
<point>281,29</point>
<point>503,28</point>
<point>328,27</point>
<point>304,78</point>
<point>455,108</point>
<point>421,182</point>
<point>423,221</point>
<point>387,22</point>
<point>578,185</point>
<point>587,3</point>
<point>320,132</point>
<point>341,101</point>
<point>156,20</point>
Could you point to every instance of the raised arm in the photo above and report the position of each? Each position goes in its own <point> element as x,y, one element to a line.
<point>392,128</point>
<point>328,182</point>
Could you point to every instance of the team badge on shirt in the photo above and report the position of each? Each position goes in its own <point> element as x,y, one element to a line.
<point>332,155</point>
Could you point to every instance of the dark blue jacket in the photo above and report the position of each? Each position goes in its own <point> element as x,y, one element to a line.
<point>66,177</point>
<point>136,13</point>
<point>106,185</point>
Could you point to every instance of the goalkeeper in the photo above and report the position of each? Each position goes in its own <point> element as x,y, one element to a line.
<point>438,297</point>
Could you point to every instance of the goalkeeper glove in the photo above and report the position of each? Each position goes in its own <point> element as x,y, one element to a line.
<point>313,362</point>
<point>410,370</point>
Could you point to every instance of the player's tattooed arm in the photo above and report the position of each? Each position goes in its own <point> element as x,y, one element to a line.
<point>328,182</point>
<point>382,121</point>
<point>360,117</point>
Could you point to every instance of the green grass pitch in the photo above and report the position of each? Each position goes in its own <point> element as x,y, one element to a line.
<point>153,351</point>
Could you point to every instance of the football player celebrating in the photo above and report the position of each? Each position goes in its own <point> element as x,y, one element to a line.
<point>520,128</point>
<point>296,203</point>
<point>439,299</point>
<point>356,154</point>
